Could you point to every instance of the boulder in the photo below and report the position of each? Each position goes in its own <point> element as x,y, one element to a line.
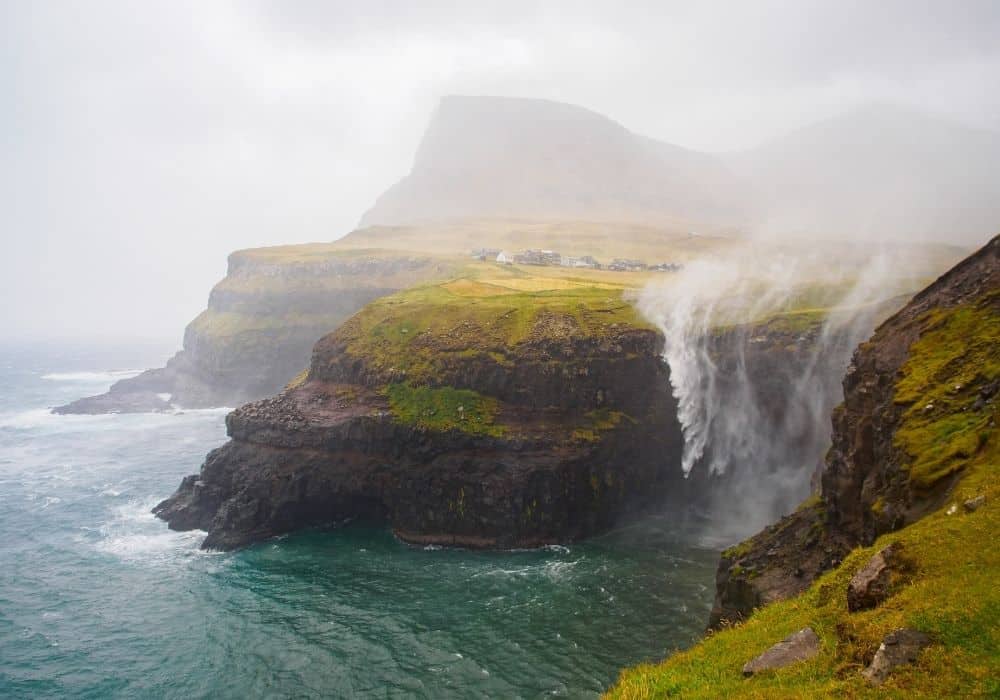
<point>898,648</point>
<point>973,504</point>
<point>871,585</point>
<point>800,646</point>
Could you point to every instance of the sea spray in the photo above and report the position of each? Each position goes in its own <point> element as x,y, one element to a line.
<point>757,345</point>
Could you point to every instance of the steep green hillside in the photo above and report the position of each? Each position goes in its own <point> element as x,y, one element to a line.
<point>947,390</point>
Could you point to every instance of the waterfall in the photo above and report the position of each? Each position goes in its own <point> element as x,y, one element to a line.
<point>754,398</point>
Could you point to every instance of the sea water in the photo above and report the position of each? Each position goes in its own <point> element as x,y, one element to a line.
<point>98,599</point>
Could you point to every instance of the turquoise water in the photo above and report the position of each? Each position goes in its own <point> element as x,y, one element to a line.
<point>99,600</point>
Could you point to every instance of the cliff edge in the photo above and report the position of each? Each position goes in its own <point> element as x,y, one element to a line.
<point>898,541</point>
<point>261,323</point>
<point>472,413</point>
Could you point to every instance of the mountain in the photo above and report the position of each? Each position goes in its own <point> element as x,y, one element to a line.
<point>537,159</point>
<point>878,171</point>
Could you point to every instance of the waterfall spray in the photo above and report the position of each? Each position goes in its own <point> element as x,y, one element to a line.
<point>757,346</point>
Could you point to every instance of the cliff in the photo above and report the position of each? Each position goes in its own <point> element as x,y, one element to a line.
<point>916,432</point>
<point>508,407</point>
<point>261,322</point>
<point>538,159</point>
<point>488,412</point>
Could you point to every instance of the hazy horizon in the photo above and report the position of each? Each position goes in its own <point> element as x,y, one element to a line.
<point>141,147</point>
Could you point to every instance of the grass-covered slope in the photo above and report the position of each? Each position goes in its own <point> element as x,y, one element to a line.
<point>485,314</point>
<point>952,596</point>
<point>947,393</point>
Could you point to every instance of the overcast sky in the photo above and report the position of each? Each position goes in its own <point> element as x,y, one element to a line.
<point>140,142</point>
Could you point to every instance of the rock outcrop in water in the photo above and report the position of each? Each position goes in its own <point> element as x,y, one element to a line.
<point>515,442</point>
<point>892,461</point>
<point>261,323</point>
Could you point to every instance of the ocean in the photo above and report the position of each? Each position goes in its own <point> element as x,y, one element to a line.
<point>98,599</point>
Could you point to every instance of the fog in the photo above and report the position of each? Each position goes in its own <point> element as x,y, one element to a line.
<point>143,143</point>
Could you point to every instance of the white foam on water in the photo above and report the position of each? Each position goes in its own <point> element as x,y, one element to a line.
<point>133,533</point>
<point>562,549</point>
<point>44,418</point>
<point>165,545</point>
<point>214,411</point>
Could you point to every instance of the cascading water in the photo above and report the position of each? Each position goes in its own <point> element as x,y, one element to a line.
<point>755,382</point>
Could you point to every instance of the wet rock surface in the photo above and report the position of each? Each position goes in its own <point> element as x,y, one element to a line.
<point>800,646</point>
<point>900,647</point>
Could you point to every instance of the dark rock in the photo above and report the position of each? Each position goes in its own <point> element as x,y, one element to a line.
<point>773,565</point>
<point>973,504</point>
<point>117,402</point>
<point>866,481</point>
<point>898,648</point>
<point>872,584</point>
<point>800,646</point>
<point>301,459</point>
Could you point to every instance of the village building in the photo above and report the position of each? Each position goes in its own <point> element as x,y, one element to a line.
<point>505,258</point>
<point>625,265</point>
<point>537,257</point>
<point>667,267</point>
<point>586,262</point>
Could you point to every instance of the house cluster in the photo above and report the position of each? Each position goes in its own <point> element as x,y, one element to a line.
<point>555,259</point>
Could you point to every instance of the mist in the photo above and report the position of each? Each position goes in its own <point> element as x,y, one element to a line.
<point>141,146</point>
<point>755,418</point>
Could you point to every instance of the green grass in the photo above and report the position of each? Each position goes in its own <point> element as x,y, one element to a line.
<point>215,324</point>
<point>951,592</point>
<point>958,353</point>
<point>953,596</point>
<point>444,409</point>
<point>425,328</point>
<point>599,421</point>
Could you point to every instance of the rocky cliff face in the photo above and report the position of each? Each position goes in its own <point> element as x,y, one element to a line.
<point>470,414</point>
<point>919,408</point>
<point>261,323</point>
<point>552,439</point>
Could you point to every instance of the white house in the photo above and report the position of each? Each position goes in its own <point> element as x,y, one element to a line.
<point>505,258</point>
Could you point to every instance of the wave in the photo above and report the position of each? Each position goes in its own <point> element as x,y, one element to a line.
<point>44,418</point>
<point>134,533</point>
<point>213,411</point>
<point>106,376</point>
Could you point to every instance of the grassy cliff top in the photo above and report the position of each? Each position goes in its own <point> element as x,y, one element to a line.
<point>488,311</point>
<point>604,240</point>
<point>951,592</point>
